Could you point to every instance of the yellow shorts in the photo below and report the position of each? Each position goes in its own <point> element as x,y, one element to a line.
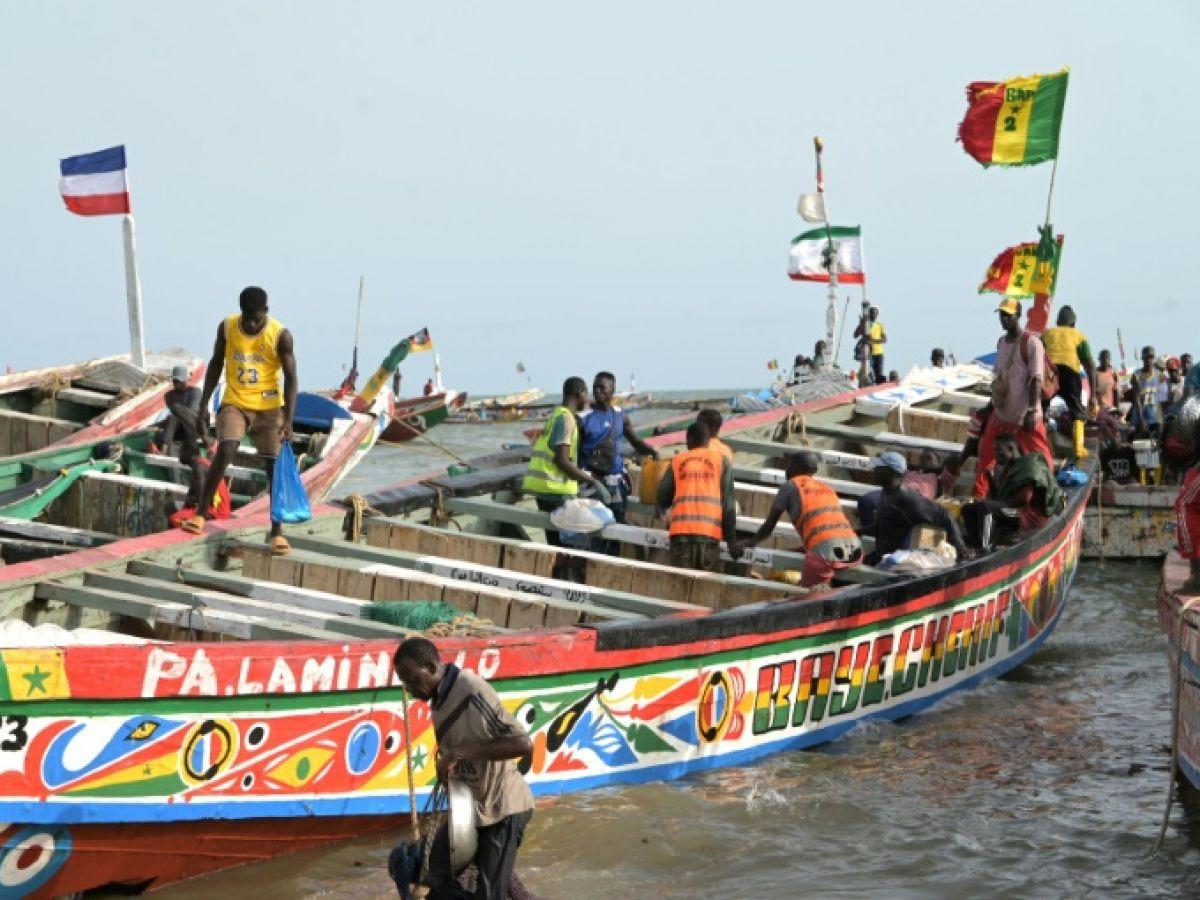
<point>265,427</point>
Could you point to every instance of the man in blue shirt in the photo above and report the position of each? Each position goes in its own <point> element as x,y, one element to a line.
<point>601,429</point>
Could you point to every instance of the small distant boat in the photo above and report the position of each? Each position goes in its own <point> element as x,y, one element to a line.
<point>70,405</point>
<point>411,417</point>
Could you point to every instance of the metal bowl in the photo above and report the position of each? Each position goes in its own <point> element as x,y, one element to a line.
<point>460,824</point>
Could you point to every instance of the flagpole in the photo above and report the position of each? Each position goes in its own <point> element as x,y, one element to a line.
<point>133,294</point>
<point>831,311</point>
<point>358,315</point>
<point>841,331</point>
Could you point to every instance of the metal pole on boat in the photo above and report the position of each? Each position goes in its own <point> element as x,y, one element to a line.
<point>841,331</point>
<point>830,249</point>
<point>133,295</point>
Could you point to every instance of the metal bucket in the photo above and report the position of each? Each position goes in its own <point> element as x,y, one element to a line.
<point>460,824</point>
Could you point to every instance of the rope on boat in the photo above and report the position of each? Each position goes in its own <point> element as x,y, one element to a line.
<point>359,508</point>
<point>1176,689</point>
<point>408,764</point>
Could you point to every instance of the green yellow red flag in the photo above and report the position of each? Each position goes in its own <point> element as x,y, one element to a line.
<point>1014,122</point>
<point>1025,270</point>
<point>414,343</point>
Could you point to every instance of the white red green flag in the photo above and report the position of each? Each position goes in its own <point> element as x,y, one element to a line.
<point>809,256</point>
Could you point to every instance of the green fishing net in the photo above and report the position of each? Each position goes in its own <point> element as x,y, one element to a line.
<point>417,615</point>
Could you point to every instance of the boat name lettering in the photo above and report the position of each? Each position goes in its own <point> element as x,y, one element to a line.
<point>888,665</point>
<point>531,587</point>
<point>474,576</point>
<point>177,674</point>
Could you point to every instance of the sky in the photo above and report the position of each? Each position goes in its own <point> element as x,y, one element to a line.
<point>583,186</point>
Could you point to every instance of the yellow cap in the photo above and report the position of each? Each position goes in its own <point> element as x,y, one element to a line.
<point>1010,306</point>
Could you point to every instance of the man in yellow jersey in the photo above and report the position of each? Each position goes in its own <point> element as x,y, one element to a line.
<point>1068,349</point>
<point>257,355</point>
<point>871,330</point>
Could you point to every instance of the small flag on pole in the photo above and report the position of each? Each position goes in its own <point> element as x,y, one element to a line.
<point>520,368</point>
<point>807,259</point>
<point>811,207</point>
<point>414,343</point>
<point>95,184</point>
<point>1020,271</point>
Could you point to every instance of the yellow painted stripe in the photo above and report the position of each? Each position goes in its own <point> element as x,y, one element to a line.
<point>1012,125</point>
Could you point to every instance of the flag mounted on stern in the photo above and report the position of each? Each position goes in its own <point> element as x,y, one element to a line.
<point>1025,270</point>
<point>414,343</point>
<point>95,184</point>
<point>807,260</point>
<point>1014,122</point>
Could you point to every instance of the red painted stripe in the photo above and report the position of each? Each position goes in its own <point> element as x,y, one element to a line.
<point>977,131</point>
<point>98,204</point>
<point>851,278</point>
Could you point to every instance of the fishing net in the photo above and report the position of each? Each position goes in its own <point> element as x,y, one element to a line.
<point>433,617</point>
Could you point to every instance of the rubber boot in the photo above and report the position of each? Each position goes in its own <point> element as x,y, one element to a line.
<point>1080,450</point>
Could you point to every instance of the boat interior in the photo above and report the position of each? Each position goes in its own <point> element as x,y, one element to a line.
<point>471,542</point>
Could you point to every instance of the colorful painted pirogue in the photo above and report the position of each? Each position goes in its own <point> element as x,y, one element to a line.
<point>141,764</point>
<point>1179,617</point>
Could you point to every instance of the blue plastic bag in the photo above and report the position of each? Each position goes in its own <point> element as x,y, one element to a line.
<point>1072,477</point>
<point>289,502</point>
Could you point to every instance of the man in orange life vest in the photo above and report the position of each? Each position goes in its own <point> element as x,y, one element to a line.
<point>698,490</point>
<point>830,543</point>
<point>712,418</point>
<point>258,358</point>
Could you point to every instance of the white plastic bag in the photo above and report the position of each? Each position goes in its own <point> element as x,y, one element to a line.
<point>582,516</point>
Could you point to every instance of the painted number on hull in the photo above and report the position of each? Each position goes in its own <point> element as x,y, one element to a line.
<point>12,733</point>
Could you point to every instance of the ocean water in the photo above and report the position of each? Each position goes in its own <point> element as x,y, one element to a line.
<point>1047,783</point>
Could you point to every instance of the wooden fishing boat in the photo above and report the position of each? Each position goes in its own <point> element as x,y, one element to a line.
<point>413,416</point>
<point>64,406</point>
<point>264,716</point>
<point>1179,618</point>
<point>124,487</point>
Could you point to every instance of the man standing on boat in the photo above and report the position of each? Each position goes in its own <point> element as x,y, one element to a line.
<point>554,474</point>
<point>1016,394</point>
<point>602,428</point>
<point>1069,350</point>
<point>1146,384</point>
<point>871,331</point>
<point>257,355</point>
<point>478,741</point>
<point>830,542</point>
<point>698,491</point>
<point>712,419</point>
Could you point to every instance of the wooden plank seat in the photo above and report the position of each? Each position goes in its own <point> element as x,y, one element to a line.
<point>85,397</point>
<point>652,538</point>
<point>24,432</point>
<point>888,439</point>
<point>202,598</point>
<point>288,595</point>
<point>171,614</point>
<point>334,570</point>
<point>163,461</point>
<point>603,602</point>
<point>702,590</point>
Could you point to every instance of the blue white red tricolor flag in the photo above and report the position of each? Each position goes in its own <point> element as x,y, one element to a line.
<point>95,184</point>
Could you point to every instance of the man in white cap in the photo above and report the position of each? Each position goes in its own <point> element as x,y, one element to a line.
<point>1016,395</point>
<point>900,510</point>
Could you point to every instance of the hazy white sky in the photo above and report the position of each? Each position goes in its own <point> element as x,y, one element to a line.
<point>582,186</point>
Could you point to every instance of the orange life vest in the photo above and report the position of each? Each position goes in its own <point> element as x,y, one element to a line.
<point>697,506</point>
<point>821,517</point>
<point>718,445</point>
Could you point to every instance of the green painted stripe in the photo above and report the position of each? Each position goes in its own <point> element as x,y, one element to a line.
<point>163,784</point>
<point>1045,120</point>
<point>837,231</point>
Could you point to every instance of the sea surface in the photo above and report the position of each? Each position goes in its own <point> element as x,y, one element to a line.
<point>1048,783</point>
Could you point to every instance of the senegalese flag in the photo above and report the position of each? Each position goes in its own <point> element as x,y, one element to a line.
<point>1015,122</point>
<point>414,343</point>
<point>33,673</point>
<point>1025,270</point>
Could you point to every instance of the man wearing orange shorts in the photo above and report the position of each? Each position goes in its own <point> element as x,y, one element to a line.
<point>258,357</point>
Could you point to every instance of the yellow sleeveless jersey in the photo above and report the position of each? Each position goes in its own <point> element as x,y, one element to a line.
<point>1062,346</point>
<point>253,375</point>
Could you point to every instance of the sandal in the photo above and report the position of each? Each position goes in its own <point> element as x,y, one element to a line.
<point>280,545</point>
<point>194,525</point>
